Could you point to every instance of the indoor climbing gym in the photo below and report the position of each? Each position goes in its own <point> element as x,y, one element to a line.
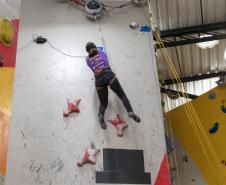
<point>112,92</point>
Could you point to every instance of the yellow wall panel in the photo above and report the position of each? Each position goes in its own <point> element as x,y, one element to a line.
<point>6,89</point>
<point>6,92</point>
<point>209,111</point>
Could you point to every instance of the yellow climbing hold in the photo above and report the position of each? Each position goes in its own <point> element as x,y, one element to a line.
<point>6,31</point>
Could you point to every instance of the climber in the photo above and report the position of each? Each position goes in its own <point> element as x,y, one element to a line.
<point>98,62</point>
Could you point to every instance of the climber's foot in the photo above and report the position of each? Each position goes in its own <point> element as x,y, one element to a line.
<point>102,122</point>
<point>134,116</point>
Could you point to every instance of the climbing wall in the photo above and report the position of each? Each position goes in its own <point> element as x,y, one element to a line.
<point>209,132</point>
<point>186,171</point>
<point>9,15</point>
<point>44,146</point>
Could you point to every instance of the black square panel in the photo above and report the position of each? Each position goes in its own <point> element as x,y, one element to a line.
<point>110,160</point>
<point>123,166</point>
<point>137,161</point>
<point>123,178</point>
<point>123,160</point>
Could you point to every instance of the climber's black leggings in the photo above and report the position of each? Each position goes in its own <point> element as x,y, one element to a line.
<point>115,86</point>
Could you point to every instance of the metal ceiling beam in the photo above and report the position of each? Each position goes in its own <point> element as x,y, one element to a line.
<point>190,96</point>
<point>191,35</point>
<point>191,41</point>
<point>195,78</point>
<point>193,30</point>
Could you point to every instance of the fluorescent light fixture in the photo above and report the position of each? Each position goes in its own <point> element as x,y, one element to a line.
<point>207,44</point>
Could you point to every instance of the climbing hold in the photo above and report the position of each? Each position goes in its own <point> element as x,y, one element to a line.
<point>101,48</point>
<point>7,31</point>
<point>145,28</point>
<point>214,129</point>
<point>185,158</point>
<point>223,108</point>
<point>119,125</point>
<point>72,107</point>
<point>89,155</point>
<point>223,162</point>
<point>212,95</point>
<point>134,25</point>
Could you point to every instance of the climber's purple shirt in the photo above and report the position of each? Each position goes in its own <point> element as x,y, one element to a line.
<point>99,62</point>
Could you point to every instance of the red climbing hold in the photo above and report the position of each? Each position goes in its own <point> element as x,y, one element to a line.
<point>72,107</point>
<point>89,156</point>
<point>119,125</point>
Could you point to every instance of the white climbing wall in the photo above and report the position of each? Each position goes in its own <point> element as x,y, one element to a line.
<point>44,147</point>
<point>188,173</point>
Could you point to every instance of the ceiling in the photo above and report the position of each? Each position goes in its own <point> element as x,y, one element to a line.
<point>190,59</point>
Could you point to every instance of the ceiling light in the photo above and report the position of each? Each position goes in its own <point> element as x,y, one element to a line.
<point>207,44</point>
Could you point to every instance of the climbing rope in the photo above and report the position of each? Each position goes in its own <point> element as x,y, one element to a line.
<point>101,32</point>
<point>191,113</point>
<point>189,109</point>
<point>174,152</point>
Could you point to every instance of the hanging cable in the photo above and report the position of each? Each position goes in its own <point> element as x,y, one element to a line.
<point>185,165</point>
<point>193,119</point>
<point>25,46</point>
<point>41,40</point>
<point>191,113</point>
<point>101,32</point>
<point>174,69</point>
<point>114,7</point>
<point>174,152</point>
<point>63,53</point>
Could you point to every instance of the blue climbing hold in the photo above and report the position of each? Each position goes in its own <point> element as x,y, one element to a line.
<point>223,108</point>
<point>214,129</point>
<point>101,48</point>
<point>145,28</point>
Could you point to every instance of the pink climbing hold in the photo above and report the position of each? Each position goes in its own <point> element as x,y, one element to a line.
<point>119,125</point>
<point>72,107</point>
<point>89,156</point>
